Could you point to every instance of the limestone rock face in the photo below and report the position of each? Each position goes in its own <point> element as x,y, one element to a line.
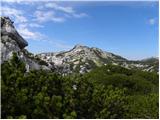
<point>11,42</point>
<point>7,29</point>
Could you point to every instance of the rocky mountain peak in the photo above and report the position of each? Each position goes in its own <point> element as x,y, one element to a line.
<point>82,59</point>
<point>79,46</point>
<point>79,59</point>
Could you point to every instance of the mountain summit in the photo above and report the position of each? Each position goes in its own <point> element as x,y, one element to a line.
<point>82,59</point>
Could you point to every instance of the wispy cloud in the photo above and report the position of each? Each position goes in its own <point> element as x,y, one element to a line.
<point>152,21</point>
<point>60,8</point>
<point>28,33</point>
<point>35,25</point>
<point>17,14</point>
<point>46,11</point>
<point>67,10</point>
<point>45,16</point>
<point>80,15</point>
<point>20,1</point>
<point>43,11</point>
<point>22,23</point>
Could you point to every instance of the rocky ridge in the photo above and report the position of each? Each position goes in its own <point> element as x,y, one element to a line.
<point>82,59</point>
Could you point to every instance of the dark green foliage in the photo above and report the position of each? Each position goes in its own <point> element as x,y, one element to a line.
<point>34,58</point>
<point>106,92</point>
<point>143,106</point>
<point>111,103</point>
<point>41,62</point>
<point>137,82</point>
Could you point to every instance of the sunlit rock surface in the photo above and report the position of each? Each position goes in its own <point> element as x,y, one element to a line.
<point>82,59</point>
<point>12,41</point>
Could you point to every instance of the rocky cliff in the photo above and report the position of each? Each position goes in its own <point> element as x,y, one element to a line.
<point>11,42</point>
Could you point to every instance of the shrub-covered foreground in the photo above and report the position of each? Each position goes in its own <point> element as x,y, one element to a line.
<point>106,92</point>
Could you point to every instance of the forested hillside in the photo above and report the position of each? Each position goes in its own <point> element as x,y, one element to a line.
<point>105,92</point>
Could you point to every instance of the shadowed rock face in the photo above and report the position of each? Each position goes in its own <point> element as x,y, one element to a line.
<point>7,29</point>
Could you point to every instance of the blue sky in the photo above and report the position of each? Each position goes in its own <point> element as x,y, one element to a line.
<point>129,29</point>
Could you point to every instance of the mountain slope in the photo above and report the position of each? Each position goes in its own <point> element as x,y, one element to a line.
<point>82,59</point>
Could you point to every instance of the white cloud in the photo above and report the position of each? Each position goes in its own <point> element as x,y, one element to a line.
<point>32,25</point>
<point>58,19</point>
<point>20,1</point>
<point>45,11</point>
<point>55,12</point>
<point>22,23</point>
<point>80,15</point>
<point>60,8</point>
<point>21,19</point>
<point>152,21</point>
<point>28,34</point>
<point>69,11</point>
<point>45,16</point>
<point>35,25</point>
<point>17,14</point>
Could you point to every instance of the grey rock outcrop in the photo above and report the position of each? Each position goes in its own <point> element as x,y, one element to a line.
<point>7,29</point>
<point>12,41</point>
